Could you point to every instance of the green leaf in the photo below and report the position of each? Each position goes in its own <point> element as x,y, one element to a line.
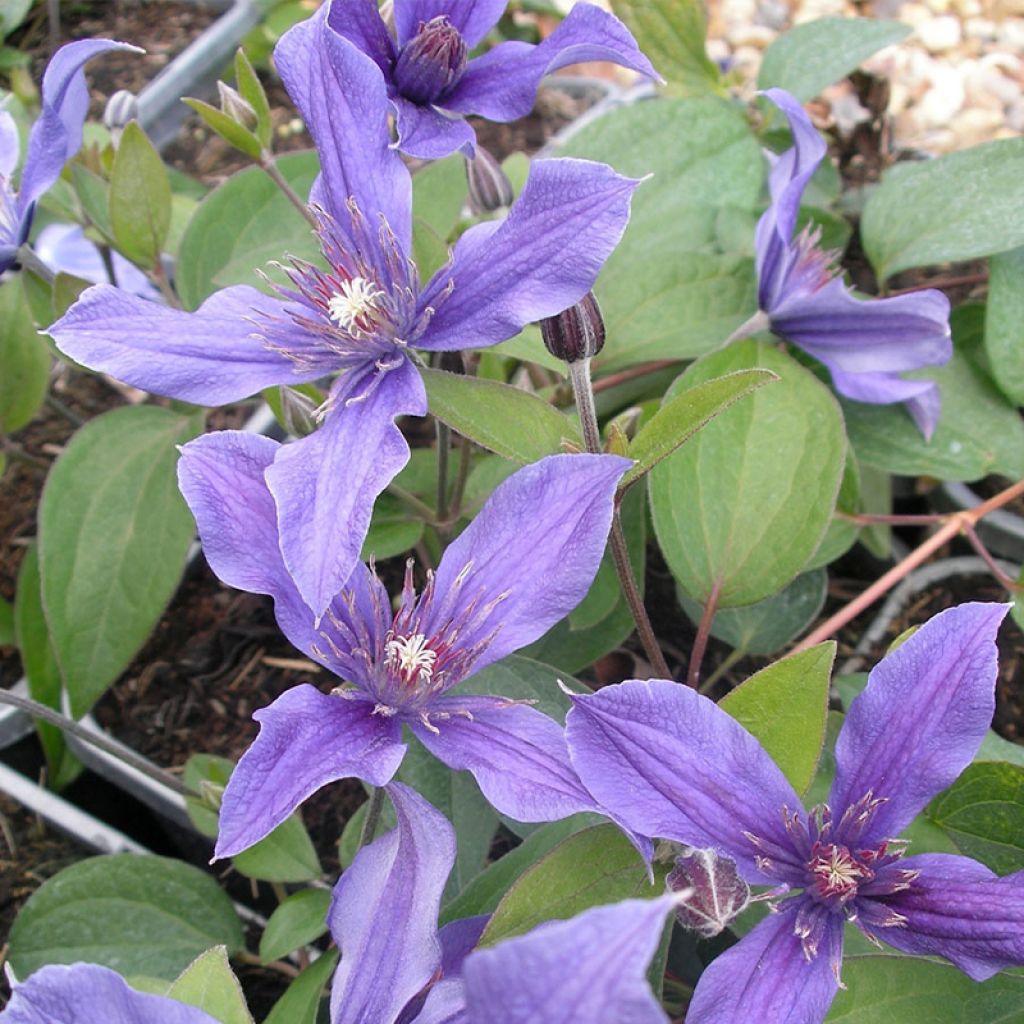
<point>681,280</point>
<point>113,536</point>
<point>671,33</point>
<point>995,748</point>
<point>503,419</point>
<point>393,530</point>
<point>242,225</point>
<point>682,416</point>
<point>979,432</point>
<point>12,14</point>
<point>841,533</point>
<point>743,506</point>
<point>24,358</point>
<point>954,207</point>
<point>135,913</point>
<point>210,984</point>
<point>140,198</point>
<point>227,127</point>
<point>94,195</point>
<point>251,89</point>
<point>1004,322</point>
<point>813,55</point>
<point>884,988</point>
<point>300,919</point>
<point>983,813</point>
<point>439,192</point>
<point>768,625</point>
<point>590,868</point>
<point>41,671</point>
<point>300,1003</point>
<point>786,707</point>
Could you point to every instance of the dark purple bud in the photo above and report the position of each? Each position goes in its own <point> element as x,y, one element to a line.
<point>717,894</point>
<point>577,332</point>
<point>489,187</point>
<point>431,62</point>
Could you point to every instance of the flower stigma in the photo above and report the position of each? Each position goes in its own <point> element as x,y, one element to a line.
<point>411,656</point>
<point>356,301</point>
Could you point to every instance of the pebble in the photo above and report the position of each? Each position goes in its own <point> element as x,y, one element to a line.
<point>938,35</point>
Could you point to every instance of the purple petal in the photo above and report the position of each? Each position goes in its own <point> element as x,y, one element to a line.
<point>342,96</point>
<point>445,1004</point>
<point>960,910</point>
<point>428,134</point>
<point>89,994</point>
<point>57,135</point>
<point>767,978</point>
<point>473,18</point>
<point>458,940</point>
<point>383,914</point>
<point>306,739</point>
<point>670,764</point>
<point>529,556</point>
<point>211,357</point>
<point>10,144</point>
<point>64,248</point>
<point>501,85</point>
<point>359,21</point>
<point>325,485</point>
<point>519,272</point>
<point>516,754</point>
<point>591,968</point>
<point>920,720</point>
<point>922,398</point>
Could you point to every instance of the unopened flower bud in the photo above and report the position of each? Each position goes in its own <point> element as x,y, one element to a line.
<point>489,187</point>
<point>431,62</point>
<point>298,413</point>
<point>236,107</point>
<point>717,896</point>
<point>577,332</point>
<point>121,108</point>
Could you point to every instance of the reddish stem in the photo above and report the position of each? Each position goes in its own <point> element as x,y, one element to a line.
<point>632,373</point>
<point>700,642</point>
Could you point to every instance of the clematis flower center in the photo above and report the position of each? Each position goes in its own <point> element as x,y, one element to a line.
<point>431,62</point>
<point>410,658</point>
<point>835,874</point>
<point>354,307</point>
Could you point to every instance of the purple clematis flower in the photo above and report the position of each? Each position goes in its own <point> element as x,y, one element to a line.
<point>362,315</point>
<point>55,138</point>
<point>866,345</point>
<point>669,763</point>
<point>525,562</point>
<point>429,77</point>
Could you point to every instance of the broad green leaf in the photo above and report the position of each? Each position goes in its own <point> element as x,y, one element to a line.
<point>786,707</point>
<point>682,416</point>
<point>768,625</point>
<point>113,536</point>
<point>591,868</point>
<point>438,193</point>
<point>243,225</point>
<point>40,665</point>
<point>681,280</point>
<point>983,813</point>
<point>140,198</point>
<point>503,419</point>
<point>813,55</point>
<point>209,983</point>
<point>841,533</point>
<point>521,678</point>
<point>743,506</point>
<point>135,913</point>
<point>66,289</point>
<point>300,919</point>
<point>226,127</point>
<point>24,358</point>
<point>671,33</point>
<point>954,207</point>
<point>301,1001</point>
<point>12,14</point>
<point>394,529</point>
<point>94,194</point>
<point>995,748</point>
<point>885,988</point>
<point>1004,322</point>
<point>979,432</point>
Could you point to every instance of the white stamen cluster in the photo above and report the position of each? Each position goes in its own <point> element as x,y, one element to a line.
<point>410,654</point>
<point>357,299</point>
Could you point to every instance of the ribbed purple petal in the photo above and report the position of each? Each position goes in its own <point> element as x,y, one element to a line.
<point>428,134</point>
<point>519,272</point>
<point>591,968</point>
<point>64,248</point>
<point>960,910</point>
<point>670,764</point>
<point>922,398</point>
<point>89,994</point>
<point>501,85</point>
<point>445,1004</point>
<point>359,21</point>
<point>529,556</point>
<point>325,485</point>
<point>766,977</point>
<point>10,144</point>
<point>342,96</point>
<point>306,739</point>
<point>384,911</point>
<point>57,135</point>
<point>920,720</point>
<point>458,940</point>
<point>215,355</point>
<point>516,754</point>
<point>473,18</point>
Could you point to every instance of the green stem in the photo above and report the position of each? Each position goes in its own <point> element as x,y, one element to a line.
<point>465,462</point>
<point>268,165</point>
<point>444,443</point>
<point>421,508</point>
